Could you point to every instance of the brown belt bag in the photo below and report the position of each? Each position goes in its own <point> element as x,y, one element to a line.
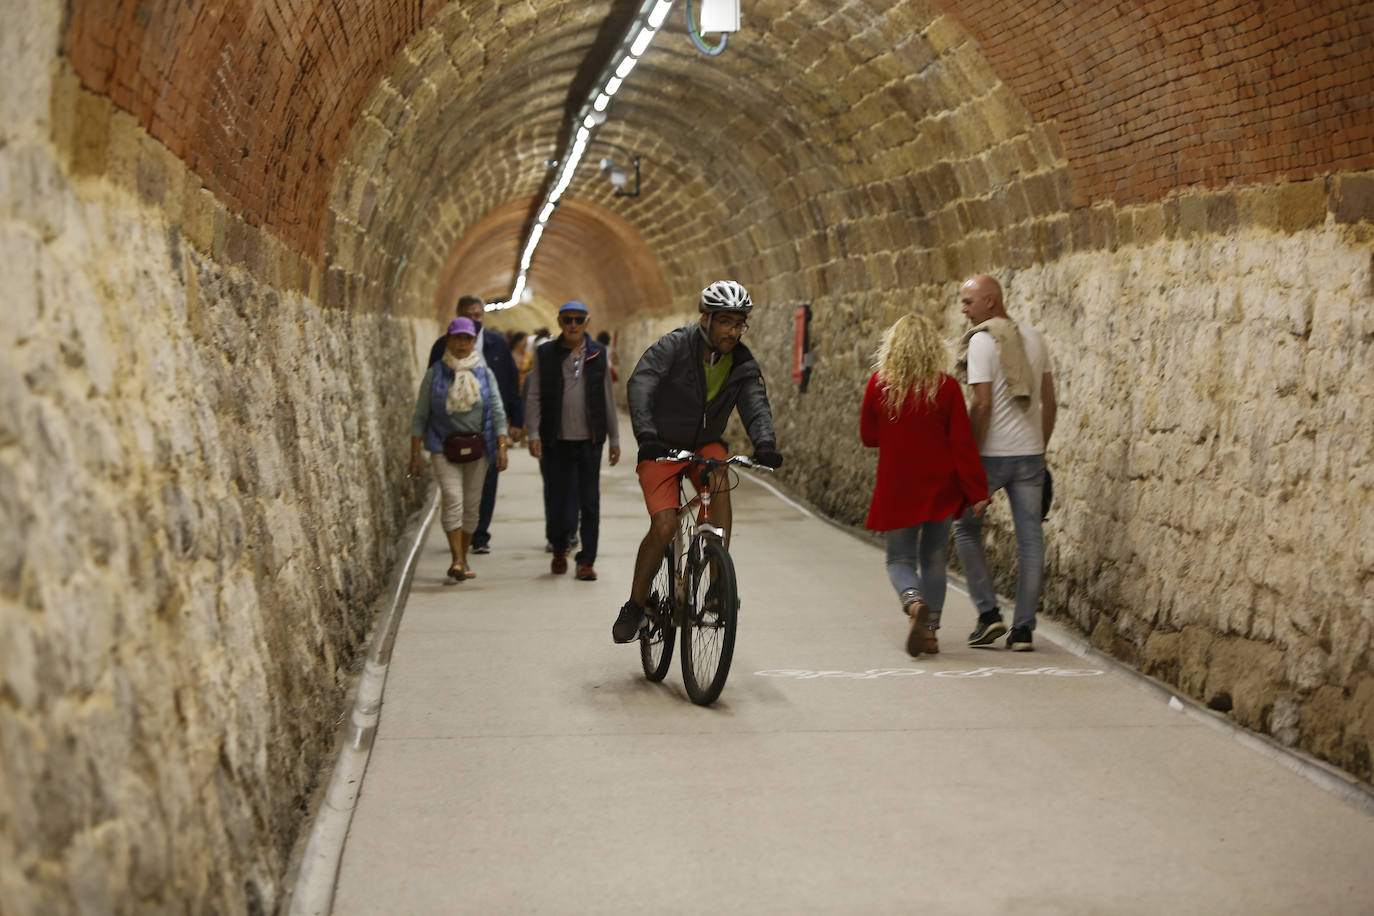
<point>460,448</point>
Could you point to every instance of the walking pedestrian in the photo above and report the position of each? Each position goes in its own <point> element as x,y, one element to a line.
<point>928,469</point>
<point>1012,409</point>
<point>460,420</point>
<point>571,409</point>
<point>491,348</point>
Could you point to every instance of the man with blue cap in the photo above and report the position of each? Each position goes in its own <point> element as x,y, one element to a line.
<point>569,415</point>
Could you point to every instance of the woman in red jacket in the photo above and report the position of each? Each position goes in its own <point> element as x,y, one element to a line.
<point>928,468</point>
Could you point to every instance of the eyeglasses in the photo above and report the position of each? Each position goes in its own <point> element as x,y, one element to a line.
<point>740,326</point>
<point>571,319</point>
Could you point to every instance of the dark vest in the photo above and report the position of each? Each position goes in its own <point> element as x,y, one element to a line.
<point>549,362</point>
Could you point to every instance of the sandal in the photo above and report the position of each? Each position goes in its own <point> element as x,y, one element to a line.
<point>458,573</point>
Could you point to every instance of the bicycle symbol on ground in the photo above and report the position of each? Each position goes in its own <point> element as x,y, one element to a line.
<point>802,674</point>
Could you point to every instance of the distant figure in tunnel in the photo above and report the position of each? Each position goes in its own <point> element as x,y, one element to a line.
<point>571,410</point>
<point>460,420</point>
<point>491,348</point>
<point>928,468</point>
<point>681,394</point>
<point>1012,409</point>
<point>523,355</point>
<point>604,338</point>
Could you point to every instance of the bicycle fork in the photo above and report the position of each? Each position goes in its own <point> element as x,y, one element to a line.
<point>686,560</point>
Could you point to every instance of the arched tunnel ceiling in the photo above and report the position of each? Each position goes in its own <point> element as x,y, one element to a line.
<point>379,135</point>
<point>589,253</point>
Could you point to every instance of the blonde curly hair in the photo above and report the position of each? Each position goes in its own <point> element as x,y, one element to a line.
<point>910,358</point>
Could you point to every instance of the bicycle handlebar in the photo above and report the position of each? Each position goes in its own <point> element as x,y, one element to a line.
<point>744,461</point>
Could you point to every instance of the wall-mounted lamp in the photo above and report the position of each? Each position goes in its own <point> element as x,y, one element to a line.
<point>720,15</point>
<point>716,16</point>
<point>619,177</point>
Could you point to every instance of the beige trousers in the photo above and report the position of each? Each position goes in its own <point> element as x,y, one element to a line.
<point>461,486</point>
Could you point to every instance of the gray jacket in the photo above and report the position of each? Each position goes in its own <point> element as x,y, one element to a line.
<point>667,394</point>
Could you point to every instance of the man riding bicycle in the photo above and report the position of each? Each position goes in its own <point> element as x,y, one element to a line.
<point>681,395</point>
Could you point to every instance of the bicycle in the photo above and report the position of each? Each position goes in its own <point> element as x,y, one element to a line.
<point>694,590</point>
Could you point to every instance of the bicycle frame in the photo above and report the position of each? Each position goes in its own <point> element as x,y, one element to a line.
<point>689,529</point>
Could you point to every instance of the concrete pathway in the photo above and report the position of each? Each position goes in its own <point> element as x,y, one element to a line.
<point>524,765</point>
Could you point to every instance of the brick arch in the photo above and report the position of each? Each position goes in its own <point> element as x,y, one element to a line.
<point>872,144</point>
<point>258,99</point>
<point>737,179</point>
<point>589,253</point>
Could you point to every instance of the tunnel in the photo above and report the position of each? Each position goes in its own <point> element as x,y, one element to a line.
<point>230,231</point>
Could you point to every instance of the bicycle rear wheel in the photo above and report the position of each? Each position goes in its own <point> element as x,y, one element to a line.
<point>708,634</point>
<point>656,636</point>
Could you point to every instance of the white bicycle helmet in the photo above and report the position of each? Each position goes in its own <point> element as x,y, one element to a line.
<point>725,296</point>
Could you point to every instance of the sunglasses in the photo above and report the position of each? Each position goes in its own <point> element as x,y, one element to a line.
<point>571,319</point>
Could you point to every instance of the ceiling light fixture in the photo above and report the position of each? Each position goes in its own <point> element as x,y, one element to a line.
<point>591,115</point>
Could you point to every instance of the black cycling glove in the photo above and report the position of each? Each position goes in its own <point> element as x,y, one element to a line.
<point>652,450</point>
<point>768,456</point>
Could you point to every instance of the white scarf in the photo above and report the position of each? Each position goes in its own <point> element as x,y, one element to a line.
<point>464,392</point>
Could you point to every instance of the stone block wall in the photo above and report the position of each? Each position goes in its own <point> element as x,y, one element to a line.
<point>199,497</point>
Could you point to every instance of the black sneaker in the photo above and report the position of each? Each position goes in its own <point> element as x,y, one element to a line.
<point>990,626</point>
<point>480,548</point>
<point>627,623</point>
<point>1020,640</point>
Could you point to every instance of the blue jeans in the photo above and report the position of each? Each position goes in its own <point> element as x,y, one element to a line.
<point>1023,477</point>
<point>916,559</point>
<point>572,472</point>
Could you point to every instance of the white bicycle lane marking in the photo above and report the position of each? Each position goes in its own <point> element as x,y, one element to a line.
<point>802,674</point>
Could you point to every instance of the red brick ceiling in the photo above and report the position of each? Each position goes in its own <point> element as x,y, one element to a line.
<point>376,133</point>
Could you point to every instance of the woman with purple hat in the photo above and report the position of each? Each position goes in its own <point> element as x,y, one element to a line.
<point>460,420</point>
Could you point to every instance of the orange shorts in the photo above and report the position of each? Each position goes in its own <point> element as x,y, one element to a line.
<point>658,479</point>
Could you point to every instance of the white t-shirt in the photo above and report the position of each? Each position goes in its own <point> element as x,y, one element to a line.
<point>1013,429</point>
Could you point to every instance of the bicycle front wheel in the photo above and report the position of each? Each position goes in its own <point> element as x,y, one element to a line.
<point>708,635</point>
<point>657,635</point>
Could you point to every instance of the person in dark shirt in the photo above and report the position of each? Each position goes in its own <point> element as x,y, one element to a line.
<point>571,410</point>
<point>681,393</point>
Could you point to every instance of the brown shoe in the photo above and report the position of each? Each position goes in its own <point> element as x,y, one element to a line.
<point>560,562</point>
<point>585,572</point>
<point>920,620</point>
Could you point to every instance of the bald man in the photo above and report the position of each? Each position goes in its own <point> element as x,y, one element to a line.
<point>1012,407</point>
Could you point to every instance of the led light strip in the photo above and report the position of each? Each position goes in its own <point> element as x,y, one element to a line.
<point>589,117</point>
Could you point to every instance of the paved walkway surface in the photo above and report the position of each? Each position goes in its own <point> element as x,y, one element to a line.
<point>524,765</point>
